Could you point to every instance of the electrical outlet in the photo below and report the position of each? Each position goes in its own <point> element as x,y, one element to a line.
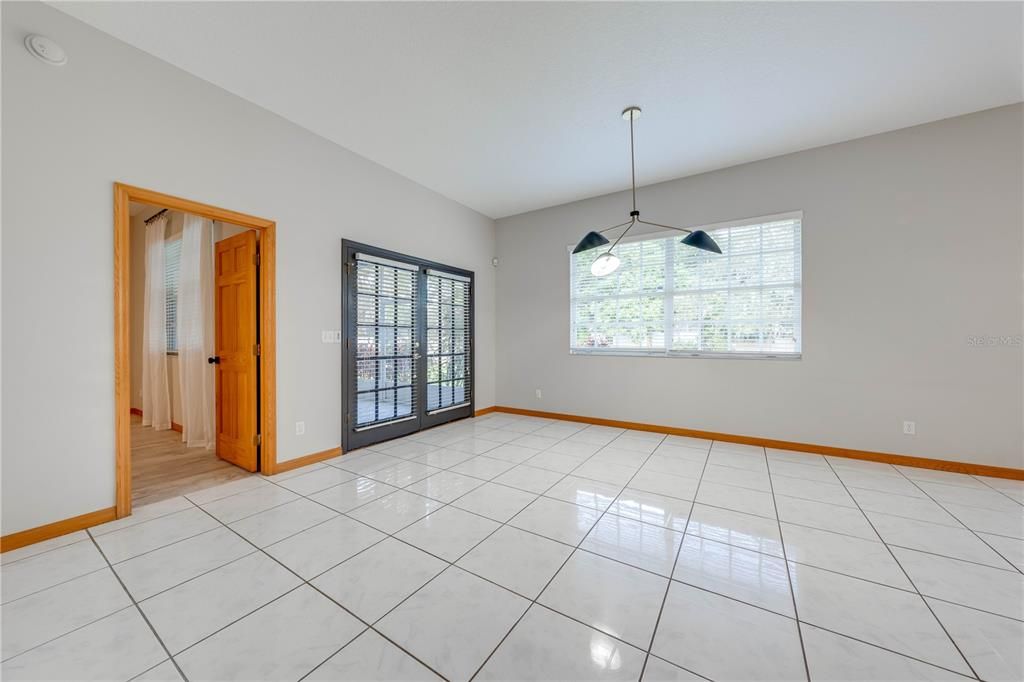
<point>337,336</point>
<point>300,428</point>
<point>540,394</point>
<point>330,336</point>
<point>325,336</point>
<point>910,428</point>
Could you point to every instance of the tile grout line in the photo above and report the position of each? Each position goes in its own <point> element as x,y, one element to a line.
<point>433,448</point>
<point>893,544</point>
<point>789,573</point>
<point>500,526</point>
<point>826,570</point>
<point>864,512</point>
<point>73,630</point>
<point>50,587</point>
<point>89,536</point>
<point>854,577</point>
<point>535,601</point>
<point>912,583</point>
<point>1012,565</point>
<point>525,462</point>
<point>497,444</point>
<point>303,582</point>
<point>675,562</point>
<point>894,652</point>
<point>793,561</point>
<point>990,487</point>
<point>452,564</point>
<point>141,613</point>
<point>484,481</point>
<point>885,513</point>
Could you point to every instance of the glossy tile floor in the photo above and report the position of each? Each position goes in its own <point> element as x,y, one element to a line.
<point>517,548</point>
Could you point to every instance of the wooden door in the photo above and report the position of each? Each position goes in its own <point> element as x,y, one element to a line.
<point>237,350</point>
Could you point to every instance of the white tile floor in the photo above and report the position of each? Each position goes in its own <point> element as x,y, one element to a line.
<point>517,548</point>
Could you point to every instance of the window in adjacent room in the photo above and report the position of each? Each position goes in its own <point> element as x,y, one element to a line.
<point>670,299</point>
<point>172,261</point>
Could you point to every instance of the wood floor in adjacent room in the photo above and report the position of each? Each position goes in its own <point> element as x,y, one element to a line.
<point>162,467</point>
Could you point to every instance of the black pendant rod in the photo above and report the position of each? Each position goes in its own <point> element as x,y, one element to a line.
<point>632,163</point>
<point>592,240</point>
<point>677,229</point>
<point>619,238</point>
<point>614,227</point>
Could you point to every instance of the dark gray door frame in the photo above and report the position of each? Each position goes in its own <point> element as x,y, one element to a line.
<point>352,439</point>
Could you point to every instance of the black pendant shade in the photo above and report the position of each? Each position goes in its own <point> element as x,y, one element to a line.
<point>606,264</point>
<point>699,239</point>
<point>591,240</point>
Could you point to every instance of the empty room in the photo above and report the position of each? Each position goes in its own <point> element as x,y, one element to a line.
<point>512,341</point>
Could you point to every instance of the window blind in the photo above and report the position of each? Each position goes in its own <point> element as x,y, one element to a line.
<point>386,294</point>
<point>670,299</point>
<point>172,268</point>
<point>449,361</point>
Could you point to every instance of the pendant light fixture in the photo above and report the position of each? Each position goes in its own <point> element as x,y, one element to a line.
<point>608,262</point>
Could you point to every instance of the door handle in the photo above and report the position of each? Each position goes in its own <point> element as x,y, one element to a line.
<point>215,360</point>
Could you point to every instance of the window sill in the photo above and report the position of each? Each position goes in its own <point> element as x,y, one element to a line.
<point>622,352</point>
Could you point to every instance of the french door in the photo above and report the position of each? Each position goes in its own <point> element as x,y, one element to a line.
<point>408,344</point>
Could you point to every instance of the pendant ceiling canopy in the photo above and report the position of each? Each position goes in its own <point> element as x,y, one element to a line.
<point>608,262</point>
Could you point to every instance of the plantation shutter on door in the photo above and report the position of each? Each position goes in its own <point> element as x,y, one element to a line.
<point>385,338</point>
<point>449,345</point>
<point>408,344</point>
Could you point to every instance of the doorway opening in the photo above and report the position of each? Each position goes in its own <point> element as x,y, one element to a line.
<point>194,346</point>
<point>408,344</point>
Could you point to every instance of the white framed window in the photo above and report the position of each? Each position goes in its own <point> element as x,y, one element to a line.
<point>670,299</point>
<point>172,266</point>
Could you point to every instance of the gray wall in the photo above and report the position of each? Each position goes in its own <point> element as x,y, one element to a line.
<point>912,243</point>
<point>112,114</point>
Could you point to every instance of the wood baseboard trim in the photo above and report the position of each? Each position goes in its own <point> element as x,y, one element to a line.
<point>175,426</point>
<point>486,410</point>
<point>884,457</point>
<point>305,460</point>
<point>56,529</point>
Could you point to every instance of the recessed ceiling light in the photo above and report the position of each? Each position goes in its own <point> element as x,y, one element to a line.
<point>45,50</point>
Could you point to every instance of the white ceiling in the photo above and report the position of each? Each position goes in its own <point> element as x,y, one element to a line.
<point>509,107</point>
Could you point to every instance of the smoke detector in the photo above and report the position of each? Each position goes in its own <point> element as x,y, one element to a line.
<point>45,50</point>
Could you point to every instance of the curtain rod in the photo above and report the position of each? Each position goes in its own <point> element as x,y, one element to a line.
<point>154,216</point>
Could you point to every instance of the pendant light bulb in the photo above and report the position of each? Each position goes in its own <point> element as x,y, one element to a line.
<point>606,264</point>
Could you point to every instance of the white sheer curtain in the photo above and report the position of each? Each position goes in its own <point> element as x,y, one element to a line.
<point>156,397</point>
<point>196,377</point>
